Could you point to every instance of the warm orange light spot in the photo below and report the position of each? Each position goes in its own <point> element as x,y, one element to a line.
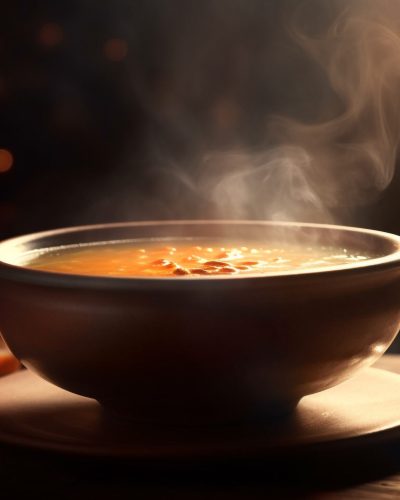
<point>6,160</point>
<point>8,363</point>
<point>50,35</point>
<point>226,114</point>
<point>115,49</point>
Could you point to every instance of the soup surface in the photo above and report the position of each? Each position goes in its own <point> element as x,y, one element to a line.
<point>191,258</point>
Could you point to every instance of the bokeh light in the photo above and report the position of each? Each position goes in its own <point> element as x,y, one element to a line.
<point>115,49</point>
<point>6,160</point>
<point>50,35</point>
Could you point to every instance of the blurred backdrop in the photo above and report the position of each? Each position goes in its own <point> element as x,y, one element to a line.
<point>109,108</point>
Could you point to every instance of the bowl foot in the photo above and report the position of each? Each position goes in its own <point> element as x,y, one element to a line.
<point>199,416</point>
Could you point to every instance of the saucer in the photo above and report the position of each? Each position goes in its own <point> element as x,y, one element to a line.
<point>38,414</point>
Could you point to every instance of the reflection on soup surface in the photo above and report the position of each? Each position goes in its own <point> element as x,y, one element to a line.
<point>187,258</point>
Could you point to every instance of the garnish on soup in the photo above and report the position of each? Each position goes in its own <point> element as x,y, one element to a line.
<point>190,258</point>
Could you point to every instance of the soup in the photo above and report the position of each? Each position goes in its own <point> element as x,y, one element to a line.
<point>187,258</point>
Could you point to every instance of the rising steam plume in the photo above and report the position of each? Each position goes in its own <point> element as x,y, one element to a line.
<point>345,155</point>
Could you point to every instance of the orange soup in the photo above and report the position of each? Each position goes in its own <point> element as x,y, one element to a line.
<point>187,258</point>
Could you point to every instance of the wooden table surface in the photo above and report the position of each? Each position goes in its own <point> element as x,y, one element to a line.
<point>368,472</point>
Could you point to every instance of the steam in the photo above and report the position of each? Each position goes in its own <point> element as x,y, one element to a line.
<point>345,156</point>
<point>355,150</point>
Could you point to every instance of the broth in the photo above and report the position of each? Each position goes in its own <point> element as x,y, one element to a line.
<point>190,258</point>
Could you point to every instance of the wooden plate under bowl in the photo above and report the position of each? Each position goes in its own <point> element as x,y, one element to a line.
<point>37,414</point>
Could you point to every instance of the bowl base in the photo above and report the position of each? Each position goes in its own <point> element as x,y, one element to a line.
<point>36,413</point>
<point>200,416</point>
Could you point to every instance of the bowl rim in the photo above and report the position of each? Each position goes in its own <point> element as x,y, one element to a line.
<point>17,272</point>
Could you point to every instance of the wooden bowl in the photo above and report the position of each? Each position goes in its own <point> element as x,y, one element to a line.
<point>218,349</point>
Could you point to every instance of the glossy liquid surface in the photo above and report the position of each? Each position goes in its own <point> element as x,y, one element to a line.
<point>191,258</point>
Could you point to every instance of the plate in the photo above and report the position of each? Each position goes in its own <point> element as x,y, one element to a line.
<point>38,414</point>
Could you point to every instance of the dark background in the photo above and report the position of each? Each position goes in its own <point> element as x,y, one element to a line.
<point>100,101</point>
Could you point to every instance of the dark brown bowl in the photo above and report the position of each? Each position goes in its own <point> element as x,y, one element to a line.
<point>202,350</point>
